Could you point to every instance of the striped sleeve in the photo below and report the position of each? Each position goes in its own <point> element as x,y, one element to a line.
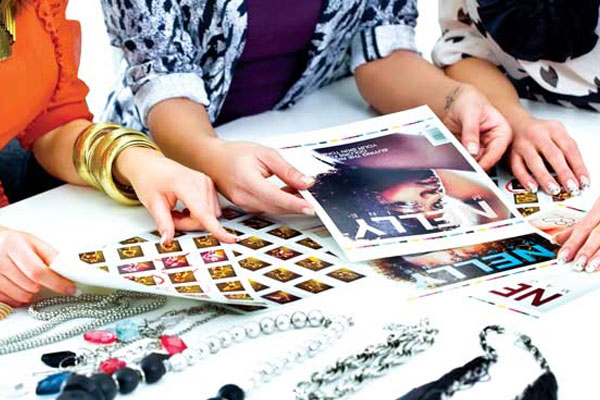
<point>386,26</point>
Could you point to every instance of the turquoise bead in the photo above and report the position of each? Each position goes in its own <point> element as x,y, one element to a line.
<point>128,330</point>
<point>52,384</point>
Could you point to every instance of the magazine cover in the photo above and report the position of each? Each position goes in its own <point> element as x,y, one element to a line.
<point>399,184</point>
<point>435,271</point>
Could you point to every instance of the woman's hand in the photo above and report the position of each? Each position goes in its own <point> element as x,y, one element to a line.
<point>240,171</point>
<point>537,141</point>
<point>477,124</point>
<point>24,268</point>
<point>581,242</point>
<point>159,183</point>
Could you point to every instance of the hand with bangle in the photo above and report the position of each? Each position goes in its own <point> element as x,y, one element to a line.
<point>129,168</point>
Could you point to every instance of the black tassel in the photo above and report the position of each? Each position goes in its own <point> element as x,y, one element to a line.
<point>467,375</point>
<point>545,387</point>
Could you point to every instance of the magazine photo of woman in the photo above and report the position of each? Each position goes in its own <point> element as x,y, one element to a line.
<point>427,188</point>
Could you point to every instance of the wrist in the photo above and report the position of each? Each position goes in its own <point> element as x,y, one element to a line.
<point>452,91</point>
<point>132,161</point>
<point>210,150</point>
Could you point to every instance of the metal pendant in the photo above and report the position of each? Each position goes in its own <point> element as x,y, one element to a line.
<point>8,33</point>
<point>5,44</point>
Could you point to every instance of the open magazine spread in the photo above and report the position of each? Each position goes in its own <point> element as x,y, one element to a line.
<point>271,264</point>
<point>399,184</point>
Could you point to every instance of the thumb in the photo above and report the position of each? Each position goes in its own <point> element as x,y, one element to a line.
<point>46,252</point>
<point>284,171</point>
<point>161,213</point>
<point>469,122</point>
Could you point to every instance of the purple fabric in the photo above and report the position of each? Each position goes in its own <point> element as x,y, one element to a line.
<point>279,32</point>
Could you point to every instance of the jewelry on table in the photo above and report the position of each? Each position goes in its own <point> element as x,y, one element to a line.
<point>544,387</point>
<point>103,309</point>
<point>349,374</point>
<point>5,310</point>
<point>152,367</point>
<point>118,352</point>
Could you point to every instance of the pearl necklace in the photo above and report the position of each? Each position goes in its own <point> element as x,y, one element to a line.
<point>154,366</point>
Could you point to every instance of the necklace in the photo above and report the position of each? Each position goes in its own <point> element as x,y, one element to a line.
<point>103,309</point>
<point>349,374</point>
<point>152,367</point>
<point>477,370</point>
<point>8,29</point>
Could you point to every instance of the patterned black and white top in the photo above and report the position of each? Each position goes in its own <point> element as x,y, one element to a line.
<point>189,48</point>
<point>549,49</point>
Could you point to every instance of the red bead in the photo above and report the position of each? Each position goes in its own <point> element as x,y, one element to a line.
<point>111,365</point>
<point>100,337</point>
<point>172,344</point>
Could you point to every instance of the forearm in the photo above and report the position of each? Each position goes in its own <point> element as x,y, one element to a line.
<point>493,84</point>
<point>54,152</point>
<point>404,80</point>
<point>180,127</point>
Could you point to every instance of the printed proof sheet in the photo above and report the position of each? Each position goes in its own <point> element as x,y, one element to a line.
<point>399,184</point>
<point>271,264</point>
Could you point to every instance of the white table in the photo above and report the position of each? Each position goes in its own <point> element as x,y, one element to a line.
<point>71,217</point>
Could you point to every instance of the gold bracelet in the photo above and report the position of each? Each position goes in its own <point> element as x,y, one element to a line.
<point>95,152</point>
<point>105,176</point>
<point>81,149</point>
<point>99,146</point>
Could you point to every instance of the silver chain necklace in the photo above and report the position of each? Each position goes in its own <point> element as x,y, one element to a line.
<point>103,309</point>
<point>349,374</point>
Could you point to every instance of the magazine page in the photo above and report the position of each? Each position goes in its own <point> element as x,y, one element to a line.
<point>537,293</point>
<point>437,271</point>
<point>399,184</point>
<point>271,264</point>
<point>528,203</point>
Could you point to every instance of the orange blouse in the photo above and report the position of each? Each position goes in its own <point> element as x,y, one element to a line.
<point>39,87</point>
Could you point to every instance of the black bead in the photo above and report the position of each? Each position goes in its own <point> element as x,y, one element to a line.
<point>59,359</point>
<point>153,367</point>
<point>106,384</point>
<point>84,384</point>
<point>231,392</point>
<point>128,379</point>
<point>75,395</point>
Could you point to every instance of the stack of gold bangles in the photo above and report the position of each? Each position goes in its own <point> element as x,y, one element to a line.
<point>95,152</point>
<point>5,310</point>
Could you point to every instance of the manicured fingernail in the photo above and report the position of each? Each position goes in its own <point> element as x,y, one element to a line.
<point>585,182</point>
<point>73,291</point>
<point>553,188</point>
<point>572,187</point>
<point>579,264</point>
<point>592,265</point>
<point>308,180</point>
<point>163,239</point>
<point>533,188</point>
<point>563,255</point>
<point>308,211</point>
<point>472,148</point>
